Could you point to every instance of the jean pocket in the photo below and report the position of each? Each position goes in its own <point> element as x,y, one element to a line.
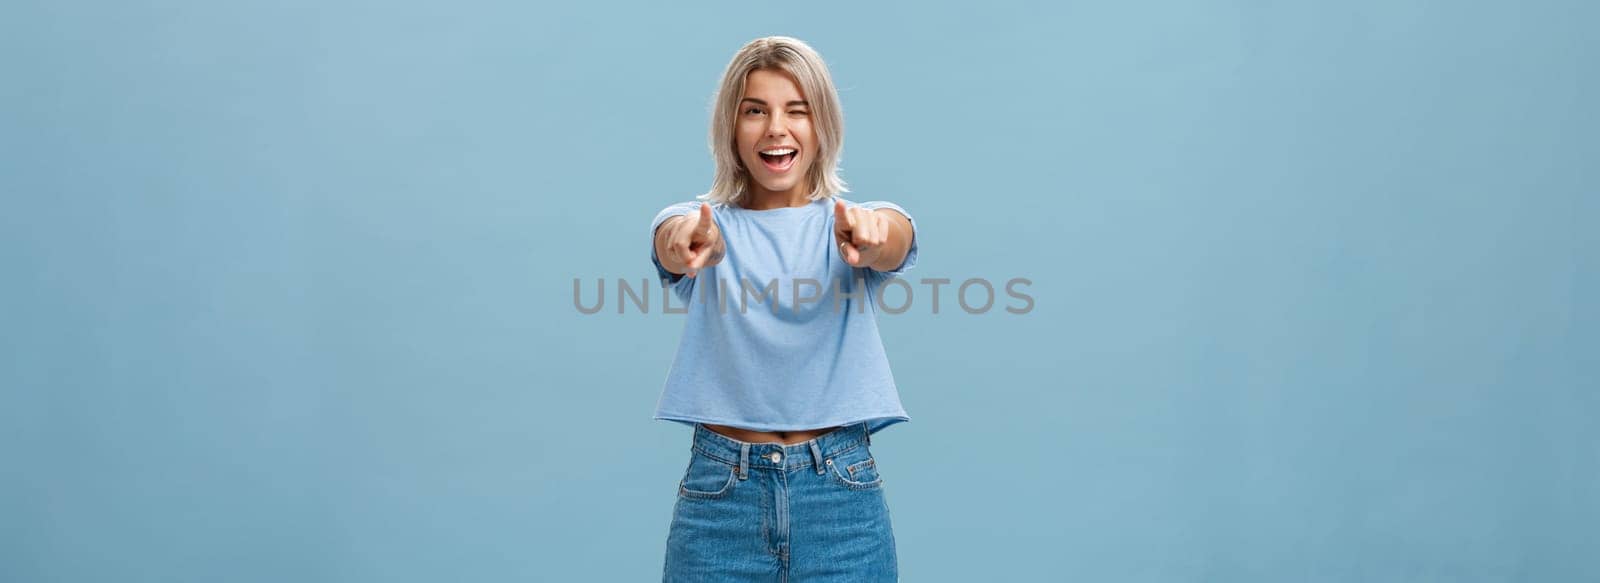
<point>855,468</point>
<point>707,477</point>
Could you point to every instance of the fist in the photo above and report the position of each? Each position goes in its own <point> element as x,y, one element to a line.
<point>696,241</point>
<point>859,233</point>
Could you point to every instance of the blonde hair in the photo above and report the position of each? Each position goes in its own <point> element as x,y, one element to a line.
<point>802,63</point>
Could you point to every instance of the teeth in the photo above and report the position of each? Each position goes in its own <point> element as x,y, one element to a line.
<point>778,152</point>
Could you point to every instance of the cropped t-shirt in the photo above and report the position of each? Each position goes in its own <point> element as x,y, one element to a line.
<point>782,334</point>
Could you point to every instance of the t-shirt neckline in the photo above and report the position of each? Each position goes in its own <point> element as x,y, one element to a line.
<point>779,210</point>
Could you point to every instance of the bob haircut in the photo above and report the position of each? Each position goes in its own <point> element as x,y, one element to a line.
<point>801,63</point>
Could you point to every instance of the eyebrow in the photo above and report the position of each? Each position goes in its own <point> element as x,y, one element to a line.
<point>801,103</point>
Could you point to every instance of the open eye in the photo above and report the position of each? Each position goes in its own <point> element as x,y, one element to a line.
<point>753,111</point>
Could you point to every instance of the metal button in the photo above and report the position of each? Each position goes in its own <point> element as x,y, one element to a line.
<point>775,457</point>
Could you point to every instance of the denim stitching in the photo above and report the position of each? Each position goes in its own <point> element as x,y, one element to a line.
<point>859,466</point>
<point>684,490</point>
<point>852,484</point>
<point>708,453</point>
<point>851,469</point>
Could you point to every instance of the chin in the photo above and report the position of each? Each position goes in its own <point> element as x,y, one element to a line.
<point>777,186</point>
<point>785,183</point>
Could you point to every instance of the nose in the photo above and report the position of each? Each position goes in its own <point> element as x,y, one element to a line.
<point>776,127</point>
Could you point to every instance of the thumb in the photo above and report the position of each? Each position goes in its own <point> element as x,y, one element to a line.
<point>849,253</point>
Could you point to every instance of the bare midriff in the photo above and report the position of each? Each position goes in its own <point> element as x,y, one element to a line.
<point>783,437</point>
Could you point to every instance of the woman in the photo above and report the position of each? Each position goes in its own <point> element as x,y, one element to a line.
<point>780,370</point>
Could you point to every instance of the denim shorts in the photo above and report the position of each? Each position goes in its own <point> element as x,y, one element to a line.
<point>809,512</point>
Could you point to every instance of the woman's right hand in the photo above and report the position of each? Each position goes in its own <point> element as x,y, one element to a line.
<point>692,242</point>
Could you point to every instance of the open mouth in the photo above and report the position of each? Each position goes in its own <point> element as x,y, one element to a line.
<point>779,159</point>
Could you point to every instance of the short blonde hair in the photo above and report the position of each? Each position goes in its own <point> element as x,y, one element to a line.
<point>802,63</point>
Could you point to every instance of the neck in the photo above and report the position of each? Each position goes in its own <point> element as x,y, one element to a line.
<point>760,199</point>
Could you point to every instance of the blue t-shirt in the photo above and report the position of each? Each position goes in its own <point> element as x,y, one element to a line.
<point>782,334</point>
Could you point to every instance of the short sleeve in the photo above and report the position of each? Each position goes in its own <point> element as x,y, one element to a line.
<point>911,252</point>
<point>680,284</point>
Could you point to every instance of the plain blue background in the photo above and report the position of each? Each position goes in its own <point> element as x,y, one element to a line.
<point>288,286</point>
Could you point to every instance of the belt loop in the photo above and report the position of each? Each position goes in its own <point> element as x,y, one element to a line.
<point>744,460</point>
<point>816,455</point>
<point>868,432</point>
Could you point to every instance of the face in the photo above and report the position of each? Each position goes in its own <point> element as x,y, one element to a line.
<point>773,134</point>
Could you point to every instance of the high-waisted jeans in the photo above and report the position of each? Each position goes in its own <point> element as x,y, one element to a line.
<point>809,512</point>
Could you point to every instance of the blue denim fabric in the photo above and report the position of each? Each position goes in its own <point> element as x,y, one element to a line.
<point>810,512</point>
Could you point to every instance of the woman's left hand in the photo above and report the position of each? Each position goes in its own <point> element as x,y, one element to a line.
<point>859,234</point>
